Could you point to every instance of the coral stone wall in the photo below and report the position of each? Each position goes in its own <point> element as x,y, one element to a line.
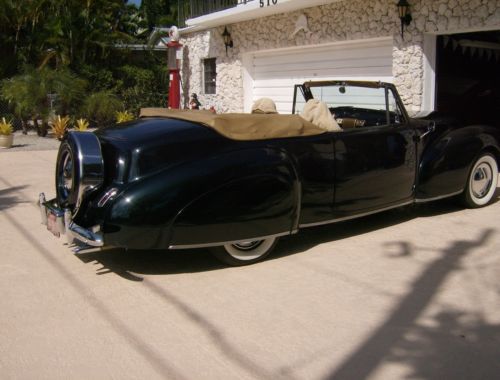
<point>340,21</point>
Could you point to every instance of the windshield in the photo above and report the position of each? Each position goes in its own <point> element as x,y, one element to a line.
<point>374,104</point>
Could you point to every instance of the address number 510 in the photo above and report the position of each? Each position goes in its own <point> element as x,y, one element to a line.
<point>267,3</point>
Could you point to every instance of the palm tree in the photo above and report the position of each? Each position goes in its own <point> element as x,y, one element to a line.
<point>29,92</point>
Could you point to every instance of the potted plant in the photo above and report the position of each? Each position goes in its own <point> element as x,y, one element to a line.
<point>6,134</point>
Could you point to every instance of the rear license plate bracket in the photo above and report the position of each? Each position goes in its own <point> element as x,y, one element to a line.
<point>52,224</point>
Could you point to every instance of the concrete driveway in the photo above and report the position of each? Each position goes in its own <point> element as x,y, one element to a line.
<point>410,293</point>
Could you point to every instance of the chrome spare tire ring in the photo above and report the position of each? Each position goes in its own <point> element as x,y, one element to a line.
<point>79,169</point>
<point>65,176</point>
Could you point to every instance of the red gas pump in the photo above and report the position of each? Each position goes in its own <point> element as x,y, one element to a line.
<point>174,49</point>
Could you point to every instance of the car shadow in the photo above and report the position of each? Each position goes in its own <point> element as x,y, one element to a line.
<point>133,264</point>
<point>311,237</point>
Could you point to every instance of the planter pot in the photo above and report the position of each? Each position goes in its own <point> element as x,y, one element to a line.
<point>42,130</point>
<point>6,141</point>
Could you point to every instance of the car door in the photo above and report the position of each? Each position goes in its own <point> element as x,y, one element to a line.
<point>375,162</point>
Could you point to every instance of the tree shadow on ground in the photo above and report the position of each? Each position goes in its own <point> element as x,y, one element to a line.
<point>10,197</point>
<point>456,345</point>
<point>131,264</point>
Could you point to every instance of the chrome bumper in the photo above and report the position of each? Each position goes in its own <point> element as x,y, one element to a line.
<point>59,222</point>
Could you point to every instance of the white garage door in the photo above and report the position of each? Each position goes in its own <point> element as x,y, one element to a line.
<point>274,73</point>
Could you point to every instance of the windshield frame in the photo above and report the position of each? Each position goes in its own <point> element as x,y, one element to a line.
<point>305,90</point>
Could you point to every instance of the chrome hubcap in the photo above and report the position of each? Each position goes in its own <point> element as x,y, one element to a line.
<point>482,180</point>
<point>66,175</point>
<point>250,249</point>
<point>247,245</point>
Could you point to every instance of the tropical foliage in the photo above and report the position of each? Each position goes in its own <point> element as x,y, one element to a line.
<point>6,127</point>
<point>65,56</point>
<point>33,94</point>
<point>124,116</point>
<point>101,108</point>
<point>81,125</point>
<point>60,126</point>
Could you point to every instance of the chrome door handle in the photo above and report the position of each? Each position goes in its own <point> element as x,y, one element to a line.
<point>431,128</point>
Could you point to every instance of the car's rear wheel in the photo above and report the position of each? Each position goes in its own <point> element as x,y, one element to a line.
<point>482,182</point>
<point>244,252</point>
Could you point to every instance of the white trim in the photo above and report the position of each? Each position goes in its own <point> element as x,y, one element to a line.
<point>485,28</point>
<point>246,61</point>
<point>429,81</point>
<point>363,42</point>
<point>356,216</point>
<point>424,200</point>
<point>250,11</point>
<point>218,244</point>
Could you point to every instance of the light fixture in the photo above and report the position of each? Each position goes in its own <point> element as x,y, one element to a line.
<point>404,15</point>
<point>228,41</point>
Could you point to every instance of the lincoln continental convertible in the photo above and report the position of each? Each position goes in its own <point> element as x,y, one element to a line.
<point>235,183</point>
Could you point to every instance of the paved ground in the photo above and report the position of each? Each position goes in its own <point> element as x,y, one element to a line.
<point>31,141</point>
<point>411,293</point>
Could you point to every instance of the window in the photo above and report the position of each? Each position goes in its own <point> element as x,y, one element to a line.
<point>209,75</point>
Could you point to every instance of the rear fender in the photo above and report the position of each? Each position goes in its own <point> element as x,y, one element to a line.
<point>233,196</point>
<point>260,198</point>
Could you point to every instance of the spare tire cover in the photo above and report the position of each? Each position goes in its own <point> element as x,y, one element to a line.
<point>79,169</point>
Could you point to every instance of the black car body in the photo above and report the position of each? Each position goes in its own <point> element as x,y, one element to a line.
<point>175,182</point>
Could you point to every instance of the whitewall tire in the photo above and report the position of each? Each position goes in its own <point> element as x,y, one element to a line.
<point>244,252</point>
<point>481,182</point>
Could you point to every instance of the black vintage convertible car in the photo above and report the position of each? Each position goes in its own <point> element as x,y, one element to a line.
<point>237,182</point>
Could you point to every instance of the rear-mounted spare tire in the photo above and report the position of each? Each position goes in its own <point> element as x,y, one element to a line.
<point>79,169</point>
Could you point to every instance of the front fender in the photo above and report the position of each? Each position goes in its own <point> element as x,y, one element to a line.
<point>445,164</point>
<point>232,196</point>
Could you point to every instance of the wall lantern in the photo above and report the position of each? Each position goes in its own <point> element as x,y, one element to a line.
<point>404,15</point>
<point>228,41</point>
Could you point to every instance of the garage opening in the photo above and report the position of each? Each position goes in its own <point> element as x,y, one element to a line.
<point>468,75</point>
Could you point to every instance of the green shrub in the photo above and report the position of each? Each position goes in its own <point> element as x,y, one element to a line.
<point>99,79</point>
<point>140,87</point>
<point>101,107</point>
<point>28,93</point>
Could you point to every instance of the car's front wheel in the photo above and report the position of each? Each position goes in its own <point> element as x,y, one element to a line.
<point>482,182</point>
<point>244,252</point>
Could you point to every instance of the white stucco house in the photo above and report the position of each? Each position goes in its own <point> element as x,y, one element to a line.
<point>278,43</point>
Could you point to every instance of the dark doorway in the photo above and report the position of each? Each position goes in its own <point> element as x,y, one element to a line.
<point>468,75</point>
